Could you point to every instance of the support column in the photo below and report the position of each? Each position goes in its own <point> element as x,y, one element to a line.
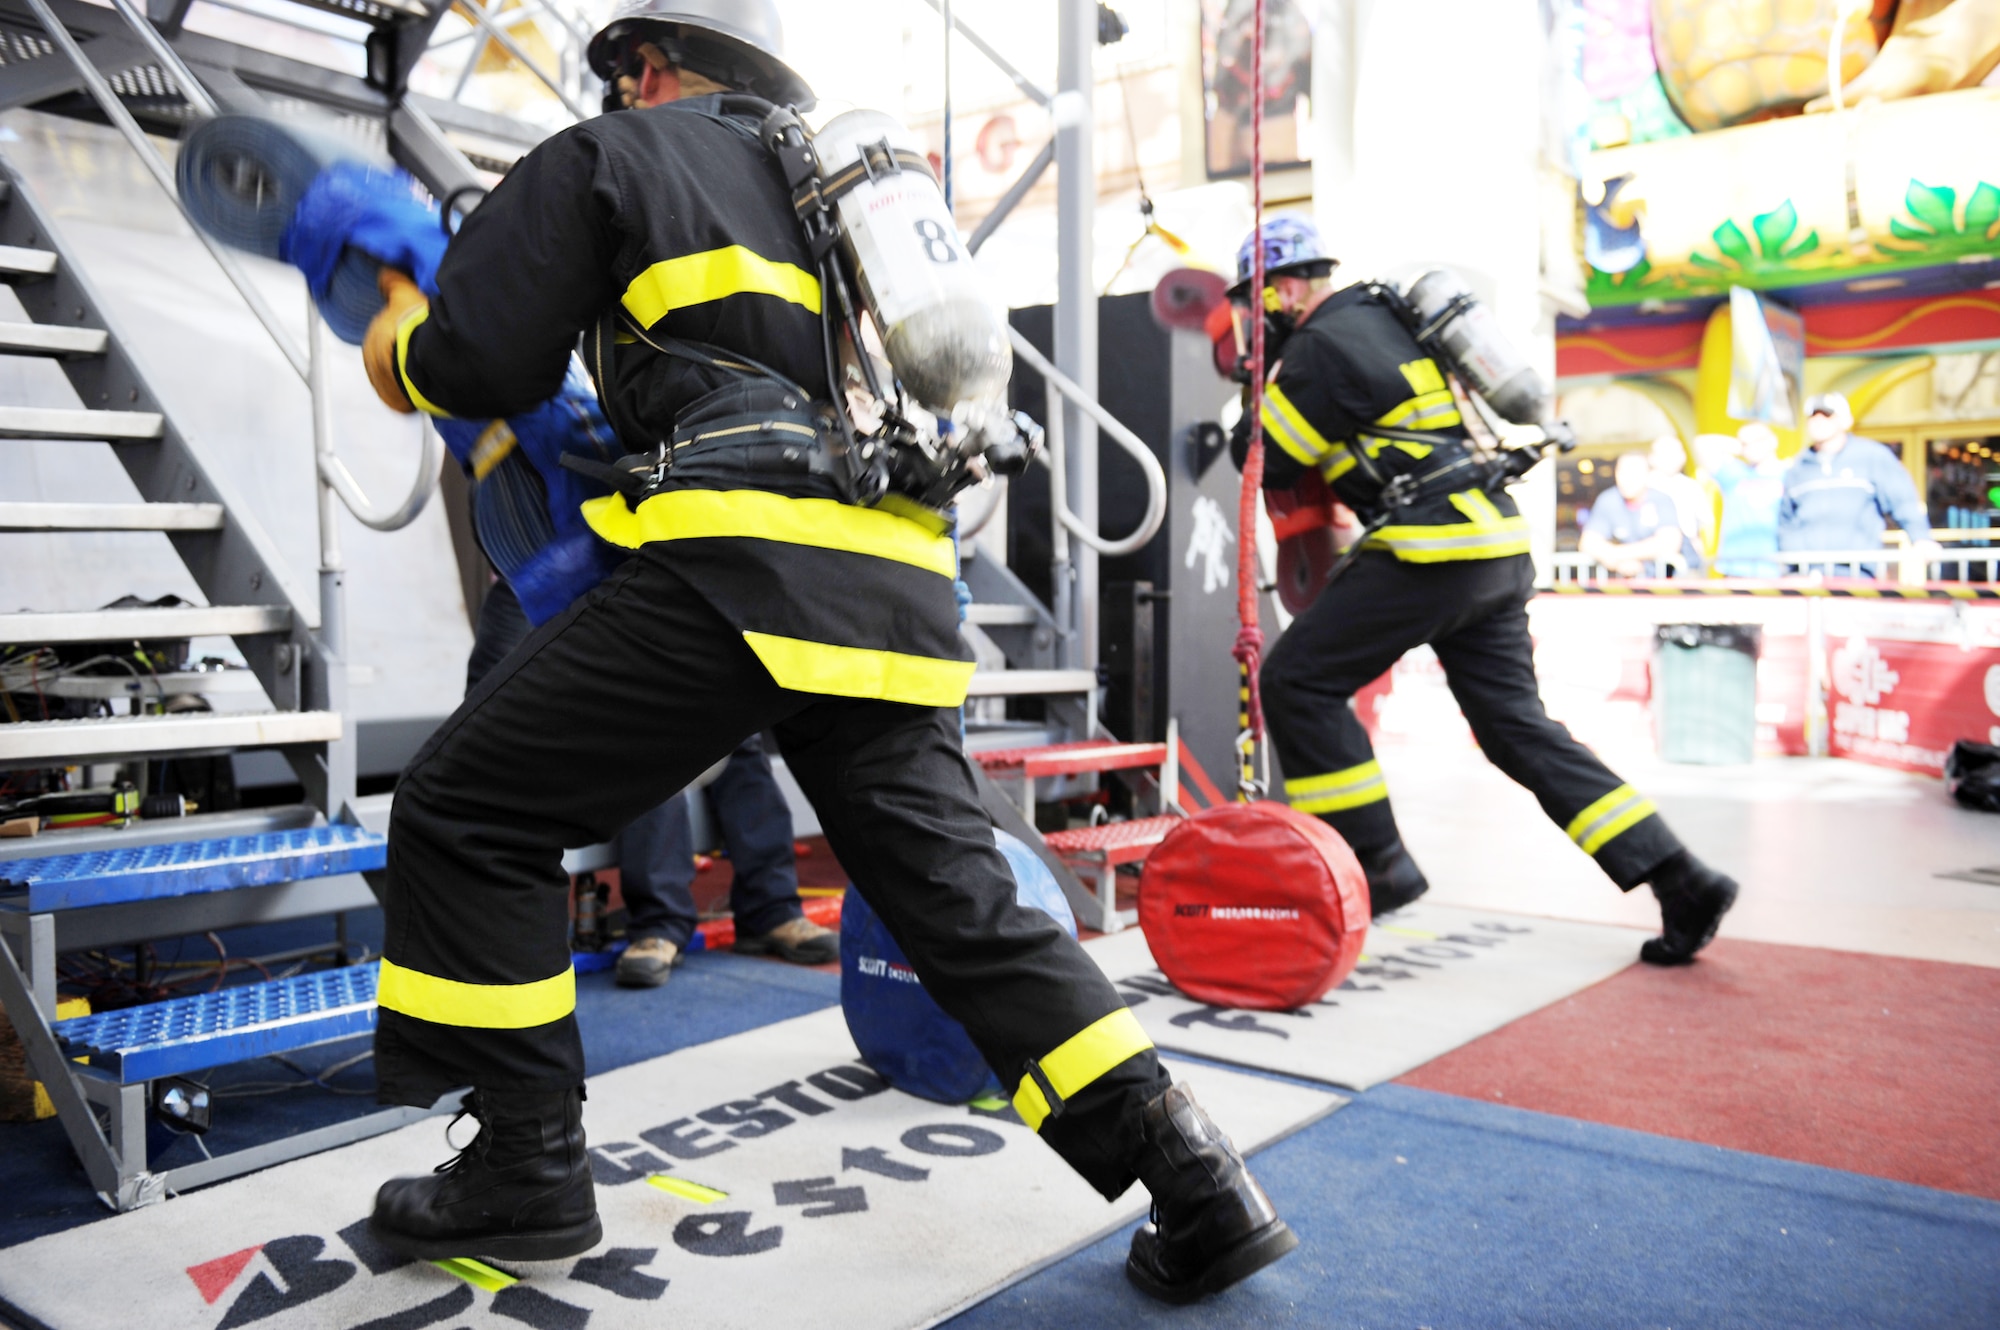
<point>1076,296</point>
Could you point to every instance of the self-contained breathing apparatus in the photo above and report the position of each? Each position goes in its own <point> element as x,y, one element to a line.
<point>1457,331</point>
<point>923,418</point>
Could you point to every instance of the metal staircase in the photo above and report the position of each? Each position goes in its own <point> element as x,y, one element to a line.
<point>76,890</point>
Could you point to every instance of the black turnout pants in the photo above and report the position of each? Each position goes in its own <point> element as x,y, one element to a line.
<point>1474,615</point>
<point>600,715</point>
<point>655,851</point>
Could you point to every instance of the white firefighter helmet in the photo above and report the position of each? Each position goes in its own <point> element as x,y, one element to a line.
<point>738,43</point>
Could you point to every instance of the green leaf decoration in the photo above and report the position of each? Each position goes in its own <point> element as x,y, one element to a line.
<point>1729,238</point>
<point>1933,206</point>
<point>1774,228</point>
<point>1902,231</point>
<point>1805,246</point>
<point>1982,210</point>
<point>1701,260</point>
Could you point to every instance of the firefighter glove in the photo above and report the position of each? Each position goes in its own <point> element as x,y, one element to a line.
<point>378,348</point>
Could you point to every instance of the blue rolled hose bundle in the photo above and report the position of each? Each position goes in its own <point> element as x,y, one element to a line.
<point>325,205</point>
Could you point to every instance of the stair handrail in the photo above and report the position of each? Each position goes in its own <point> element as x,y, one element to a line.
<point>331,470</point>
<point>1156,477</point>
<point>121,119</point>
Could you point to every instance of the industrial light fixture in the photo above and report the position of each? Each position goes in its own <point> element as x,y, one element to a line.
<point>183,1105</point>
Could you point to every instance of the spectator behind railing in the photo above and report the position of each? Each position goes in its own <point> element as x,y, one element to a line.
<point>1752,480</point>
<point>1693,499</point>
<point>1633,529</point>
<point>1838,492</point>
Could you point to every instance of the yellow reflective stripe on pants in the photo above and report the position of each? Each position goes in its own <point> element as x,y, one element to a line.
<point>475,1006</point>
<point>696,279</point>
<point>760,515</point>
<point>1608,818</point>
<point>403,330</point>
<point>1338,790</point>
<point>1290,428</point>
<point>1081,1059</point>
<point>837,671</point>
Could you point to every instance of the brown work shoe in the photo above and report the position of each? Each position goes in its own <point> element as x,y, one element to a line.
<point>647,963</point>
<point>800,941</point>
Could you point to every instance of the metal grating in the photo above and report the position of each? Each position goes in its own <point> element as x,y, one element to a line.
<point>1119,842</point>
<point>209,1029</point>
<point>187,868</point>
<point>18,47</point>
<point>1067,759</point>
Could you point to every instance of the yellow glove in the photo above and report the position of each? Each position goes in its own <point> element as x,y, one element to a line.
<point>378,348</point>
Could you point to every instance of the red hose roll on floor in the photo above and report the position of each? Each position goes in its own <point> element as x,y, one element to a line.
<point>1254,905</point>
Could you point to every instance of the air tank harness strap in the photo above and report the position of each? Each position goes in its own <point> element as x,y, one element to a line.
<point>815,195</point>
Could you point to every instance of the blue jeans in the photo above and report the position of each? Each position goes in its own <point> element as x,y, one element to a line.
<point>656,850</point>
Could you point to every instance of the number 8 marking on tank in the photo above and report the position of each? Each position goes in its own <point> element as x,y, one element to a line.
<point>938,245</point>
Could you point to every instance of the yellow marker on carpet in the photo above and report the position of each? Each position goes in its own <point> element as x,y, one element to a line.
<point>991,1103</point>
<point>687,1191</point>
<point>476,1273</point>
<point>1406,932</point>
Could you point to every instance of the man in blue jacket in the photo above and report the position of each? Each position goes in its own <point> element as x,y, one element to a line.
<point>1838,491</point>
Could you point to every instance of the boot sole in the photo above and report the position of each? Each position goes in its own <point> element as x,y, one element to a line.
<point>1266,1246</point>
<point>548,1244</point>
<point>789,954</point>
<point>1655,951</point>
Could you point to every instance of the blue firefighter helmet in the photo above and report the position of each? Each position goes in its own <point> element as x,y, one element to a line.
<point>1292,245</point>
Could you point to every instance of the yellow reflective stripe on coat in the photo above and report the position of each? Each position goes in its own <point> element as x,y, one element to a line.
<point>696,279</point>
<point>1610,817</point>
<point>1291,430</point>
<point>475,1006</point>
<point>760,515</point>
<point>403,331</point>
<point>1436,410</point>
<point>1486,534</point>
<point>1338,463</point>
<point>837,671</point>
<point>1081,1059</point>
<point>1338,790</point>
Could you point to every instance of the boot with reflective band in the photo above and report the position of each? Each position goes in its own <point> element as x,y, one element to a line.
<point>1212,1224</point>
<point>520,1191</point>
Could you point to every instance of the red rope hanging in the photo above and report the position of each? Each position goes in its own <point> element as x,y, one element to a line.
<point>1249,648</point>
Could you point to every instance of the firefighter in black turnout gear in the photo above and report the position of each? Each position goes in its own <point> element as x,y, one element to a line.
<point>1444,561</point>
<point>757,596</point>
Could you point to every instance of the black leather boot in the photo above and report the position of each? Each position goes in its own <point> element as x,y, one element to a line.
<point>1394,880</point>
<point>1212,1225</point>
<point>520,1191</point>
<point>1693,898</point>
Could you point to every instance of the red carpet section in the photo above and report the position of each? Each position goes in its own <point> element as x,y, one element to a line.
<point>1867,1063</point>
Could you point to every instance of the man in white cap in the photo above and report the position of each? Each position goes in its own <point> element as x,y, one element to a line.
<point>1839,491</point>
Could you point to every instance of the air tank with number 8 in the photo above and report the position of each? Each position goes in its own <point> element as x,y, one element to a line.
<point>943,332</point>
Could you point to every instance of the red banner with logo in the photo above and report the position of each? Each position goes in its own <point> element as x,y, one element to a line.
<point>1903,704</point>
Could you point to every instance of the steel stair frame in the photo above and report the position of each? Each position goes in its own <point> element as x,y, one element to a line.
<point>235,565</point>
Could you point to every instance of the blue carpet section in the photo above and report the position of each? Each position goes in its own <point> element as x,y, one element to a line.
<point>1419,1209</point>
<point>711,996</point>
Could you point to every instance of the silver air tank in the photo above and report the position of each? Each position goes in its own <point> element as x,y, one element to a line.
<point>942,331</point>
<point>1454,325</point>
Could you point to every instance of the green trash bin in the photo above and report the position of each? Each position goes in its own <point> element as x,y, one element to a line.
<point>1705,692</point>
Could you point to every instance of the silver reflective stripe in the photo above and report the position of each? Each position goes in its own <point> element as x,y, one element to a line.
<point>1584,835</point>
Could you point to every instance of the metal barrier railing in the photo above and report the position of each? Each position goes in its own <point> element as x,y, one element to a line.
<point>1912,567</point>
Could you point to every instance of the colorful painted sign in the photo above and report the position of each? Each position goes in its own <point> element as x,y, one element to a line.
<point>1874,190</point>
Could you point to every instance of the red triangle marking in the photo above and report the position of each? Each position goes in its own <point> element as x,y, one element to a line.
<point>214,1277</point>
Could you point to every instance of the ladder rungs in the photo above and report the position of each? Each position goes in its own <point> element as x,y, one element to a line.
<point>61,742</point>
<point>1030,683</point>
<point>16,262</point>
<point>35,628</point>
<point>35,422</point>
<point>47,339</point>
<point>110,516</point>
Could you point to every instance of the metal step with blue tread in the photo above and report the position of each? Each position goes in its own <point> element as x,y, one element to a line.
<point>194,1033</point>
<point>189,868</point>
